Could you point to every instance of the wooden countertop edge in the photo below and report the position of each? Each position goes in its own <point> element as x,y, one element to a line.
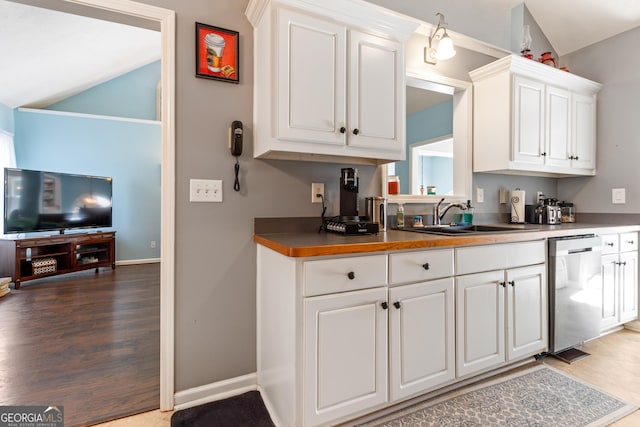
<point>426,241</point>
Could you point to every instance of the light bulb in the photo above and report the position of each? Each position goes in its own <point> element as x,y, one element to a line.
<point>445,48</point>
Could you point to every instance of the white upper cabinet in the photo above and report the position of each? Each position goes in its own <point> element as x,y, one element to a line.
<point>328,81</point>
<point>530,118</point>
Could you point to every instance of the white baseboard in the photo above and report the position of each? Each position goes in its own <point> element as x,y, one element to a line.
<point>215,391</point>
<point>138,261</point>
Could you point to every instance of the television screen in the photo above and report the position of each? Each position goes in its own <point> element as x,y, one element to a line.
<point>42,201</point>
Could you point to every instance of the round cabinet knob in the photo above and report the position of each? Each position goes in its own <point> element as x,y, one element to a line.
<point>396,304</point>
<point>351,275</point>
<point>426,266</point>
<point>356,131</point>
<point>543,154</point>
<point>503,284</point>
<point>512,282</point>
<point>343,129</point>
<point>384,305</point>
<point>630,242</point>
<point>609,243</point>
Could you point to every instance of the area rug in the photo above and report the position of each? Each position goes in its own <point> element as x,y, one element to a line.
<point>540,396</point>
<point>245,410</point>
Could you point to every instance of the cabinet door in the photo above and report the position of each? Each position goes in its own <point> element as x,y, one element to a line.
<point>610,296</point>
<point>558,127</point>
<point>345,354</point>
<point>528,121</point>
<point>479,322</point>
<point>628,286</point>
<point>376,92</point>
<point>584,131</point>
<point>421,334</point>
<point>311,76</point>
<point>526,311</point>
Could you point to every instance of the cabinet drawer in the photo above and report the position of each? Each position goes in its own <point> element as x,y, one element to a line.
<point>420,266</point>
<point>344,274</point>
<point>610,244</point>
<point>628,242</point>
<point>496,257</point>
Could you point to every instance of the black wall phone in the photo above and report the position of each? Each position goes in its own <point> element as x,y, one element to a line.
<point>235,138</point>
<point>235,145</point>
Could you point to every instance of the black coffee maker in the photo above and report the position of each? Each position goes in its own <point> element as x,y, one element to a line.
<point>349,194</point>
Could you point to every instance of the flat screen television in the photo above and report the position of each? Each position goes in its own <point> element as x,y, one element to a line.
<point>45,201</point>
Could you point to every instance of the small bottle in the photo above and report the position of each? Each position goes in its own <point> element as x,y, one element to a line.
<point>400,217</point>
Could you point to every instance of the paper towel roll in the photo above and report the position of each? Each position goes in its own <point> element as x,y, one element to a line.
<point>517,206</point>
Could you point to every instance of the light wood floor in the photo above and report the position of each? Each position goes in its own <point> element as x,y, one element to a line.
<point>88,342</point>
<point>614,367</point>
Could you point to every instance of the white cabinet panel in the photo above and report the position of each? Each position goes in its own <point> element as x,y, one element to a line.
<point>558,118</point>
<point>345,362</point>
<point>344,274</point>
<point>480,322</point>
<point>420,266</point>
<point>312,77</point>
<point>496,257</point>
<point>526,311</point>
<point>628,286</point>
<point>528,123</point>
<point>422,333</point>
<point>584,131</point>
<point>610,298</point>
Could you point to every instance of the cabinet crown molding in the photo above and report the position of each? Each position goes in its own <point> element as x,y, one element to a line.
<point>357,13</point>
<point>536,70</point>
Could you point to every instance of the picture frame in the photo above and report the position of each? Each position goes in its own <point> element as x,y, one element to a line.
<point>217,53</point>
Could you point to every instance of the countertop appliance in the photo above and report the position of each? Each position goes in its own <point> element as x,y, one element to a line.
<point>547,212</point>
<point>575,291</point>
<point>349,223</point>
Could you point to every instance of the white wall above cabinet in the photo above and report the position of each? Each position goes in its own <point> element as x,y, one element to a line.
<point>533,119</point>
<point>328,81</point>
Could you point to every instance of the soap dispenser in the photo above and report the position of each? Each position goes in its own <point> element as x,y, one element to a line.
<point>400,217</point>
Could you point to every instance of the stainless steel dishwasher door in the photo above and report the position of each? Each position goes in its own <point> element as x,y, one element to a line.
<point>575,291</point>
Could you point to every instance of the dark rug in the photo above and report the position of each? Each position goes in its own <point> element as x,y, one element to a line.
<point>245,410</point>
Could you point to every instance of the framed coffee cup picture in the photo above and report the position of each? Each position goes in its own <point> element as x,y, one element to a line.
<point>217,53</point>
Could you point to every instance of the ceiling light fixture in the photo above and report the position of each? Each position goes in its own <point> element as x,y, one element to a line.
<point>440,46</point>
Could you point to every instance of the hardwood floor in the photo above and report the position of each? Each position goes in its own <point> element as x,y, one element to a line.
<point>89,342</point>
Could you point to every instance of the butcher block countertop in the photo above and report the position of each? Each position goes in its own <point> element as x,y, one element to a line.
<point>310,244</point>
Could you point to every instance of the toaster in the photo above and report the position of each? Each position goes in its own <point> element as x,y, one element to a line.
<point>543,214</point>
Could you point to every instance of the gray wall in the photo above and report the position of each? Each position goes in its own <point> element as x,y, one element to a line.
<point>613,62</point>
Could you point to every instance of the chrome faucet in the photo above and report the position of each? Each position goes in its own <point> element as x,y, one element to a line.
<point>439,214</point>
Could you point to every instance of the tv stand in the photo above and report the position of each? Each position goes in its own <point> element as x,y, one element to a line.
<point>35,257</point>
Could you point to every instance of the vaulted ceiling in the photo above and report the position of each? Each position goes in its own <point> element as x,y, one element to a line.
<point>49,55</point>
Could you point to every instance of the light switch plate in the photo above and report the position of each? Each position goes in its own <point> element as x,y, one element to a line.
<point>618,196</point>
<point>479,195</point>
<point>205,190</point>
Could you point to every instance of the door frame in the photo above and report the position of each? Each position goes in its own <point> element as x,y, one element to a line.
<point>167,20</point>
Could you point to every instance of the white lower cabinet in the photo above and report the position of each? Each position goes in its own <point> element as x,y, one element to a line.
<point>421,337</point>
<point>619,271</point>
<point>345,347</point>
<point>501,315</point>
<point>342,336</point>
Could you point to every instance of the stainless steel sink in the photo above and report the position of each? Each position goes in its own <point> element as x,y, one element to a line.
<point>469,229</point>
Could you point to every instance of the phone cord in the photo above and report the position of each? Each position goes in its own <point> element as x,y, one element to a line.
<point>236,183</point>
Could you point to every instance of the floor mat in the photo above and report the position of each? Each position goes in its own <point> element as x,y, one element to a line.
<point>245,410</point>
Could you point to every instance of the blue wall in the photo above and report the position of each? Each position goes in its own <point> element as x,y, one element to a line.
<point>429,123</point>
<point>132,95</point>
<point>6,118</point>
<point>127,150</point>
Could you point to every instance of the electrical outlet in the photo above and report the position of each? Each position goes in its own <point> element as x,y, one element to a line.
<point>317,188</point>
<point>205,190</point>
<point>479,195</point>
<point>152,245</point>
<point>539,197</point>
<point>618,196</point>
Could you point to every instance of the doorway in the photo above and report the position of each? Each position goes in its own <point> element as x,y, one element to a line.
<point>165,20</point>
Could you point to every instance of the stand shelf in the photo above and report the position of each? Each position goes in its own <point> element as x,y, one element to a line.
<point>63,254</point>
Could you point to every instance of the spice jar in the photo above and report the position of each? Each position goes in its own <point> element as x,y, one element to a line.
<point>393,185</point>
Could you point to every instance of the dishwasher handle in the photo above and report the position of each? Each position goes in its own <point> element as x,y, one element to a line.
<point>574,244</point>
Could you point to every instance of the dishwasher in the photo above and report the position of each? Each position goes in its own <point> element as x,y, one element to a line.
<point>575,294</point>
